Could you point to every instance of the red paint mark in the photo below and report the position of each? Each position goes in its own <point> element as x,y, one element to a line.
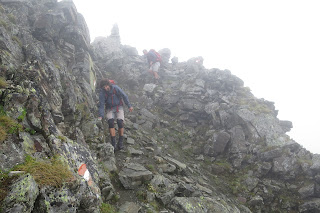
<point>82,169</point>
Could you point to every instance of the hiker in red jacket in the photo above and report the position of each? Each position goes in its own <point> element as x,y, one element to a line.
<point>111,97</point>
<point>154,60</point>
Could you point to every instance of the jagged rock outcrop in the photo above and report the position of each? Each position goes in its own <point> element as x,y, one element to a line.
<point>198,141</point>
<point>23,194</point>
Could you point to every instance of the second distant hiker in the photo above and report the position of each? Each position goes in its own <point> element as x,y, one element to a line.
<point>154,60</point>
<point>110,97</point>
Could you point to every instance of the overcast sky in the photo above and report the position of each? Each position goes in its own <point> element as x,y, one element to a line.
<point>273,46</point>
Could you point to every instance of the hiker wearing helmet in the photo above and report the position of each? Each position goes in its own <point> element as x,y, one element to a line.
<point>154,60</point>
<point>111,97</point>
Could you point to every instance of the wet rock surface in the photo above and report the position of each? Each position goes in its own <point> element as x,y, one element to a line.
<point>197,141</point>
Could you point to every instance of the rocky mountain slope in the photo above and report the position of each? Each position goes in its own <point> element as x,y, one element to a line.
<point>198,141</point>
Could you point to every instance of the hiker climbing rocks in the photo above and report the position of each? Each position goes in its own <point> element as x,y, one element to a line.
<point>154,60</point>
<point>111,97</point>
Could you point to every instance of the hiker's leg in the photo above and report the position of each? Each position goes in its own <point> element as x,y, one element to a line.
<point>120,131</point>
<point>112,132</point>
<point>156,76</point>
<point>150,71</point>
<point>120,127</point>
<point>120,119</point>
<point>155,69</point>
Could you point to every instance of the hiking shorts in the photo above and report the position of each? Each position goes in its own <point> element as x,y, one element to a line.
<point>155,66</point>
<point>113,114</point>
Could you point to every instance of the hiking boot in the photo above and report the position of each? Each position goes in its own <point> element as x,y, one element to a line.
<point>120,143</point>
<point>156,81</point>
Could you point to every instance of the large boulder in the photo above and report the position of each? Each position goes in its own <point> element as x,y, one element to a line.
<point>201,204</point>
<point>22,196</point>
<point>134,175</point>
<point>165,55</point>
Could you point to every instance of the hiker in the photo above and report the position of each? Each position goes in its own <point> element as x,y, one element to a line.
<point>111,97</point>
<point>154,60</point>
<point>199,60</point>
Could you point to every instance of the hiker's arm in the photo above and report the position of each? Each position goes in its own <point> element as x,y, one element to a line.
<point>101,104</point>
<point>125,97</point>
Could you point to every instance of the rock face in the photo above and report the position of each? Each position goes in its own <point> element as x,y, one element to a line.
<point>198,141</point>
<point>22,196</point>
<point>134,175</point>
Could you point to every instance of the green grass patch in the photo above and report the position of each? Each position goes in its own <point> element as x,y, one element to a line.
<point>16,39</point>
<point>107,208</point>
<point>62,138</point>
<point>23,115</point>
<point>8,126</point>
<point>4,24</point>
<point>150,167</point>
<point>114,177</point>
<point>142,196</point>
<point>12,18</point>
<point>224,164</point>
<point>2,10</point>
<point>46,173</point>
<point>31,131</point>
<point>83,111</point>
<point>3,134</point>
<point>2,112</point>
<point>3,83</point>
<point>155,205</point>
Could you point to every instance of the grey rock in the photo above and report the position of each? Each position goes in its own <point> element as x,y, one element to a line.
<point>130,141</point>
<point>167,168</point>
<point>204,189</point>
<point>11,154</point>
<point>285,166</point>
<point>180,165</point>
<point>200,158</point>
<point>13,1</point>
<point>129,207</point>
<point>174,60</point>
<point>312,205</point>
<point>149,87</point>
<point>286,125</point>
<point>196,204</point>
<point>166,197</point>
<point>131,51</point>
<point>165,54</point>
<point>160,181</point>
<point>52,69</point>
<point>148,115</point>
<point>23,193</point>
<point>106,154</point>
<point>133,175</point>
<point>315,163</point>
<point>270,155</point>
<point>133,151</point>
<point>307,191</point>
<point>256,201</point>
<point>251,182</point>
<point>220,141</point>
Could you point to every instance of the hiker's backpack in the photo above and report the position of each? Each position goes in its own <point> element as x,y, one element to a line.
<point>114,93</point>
<point>157,54</point>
